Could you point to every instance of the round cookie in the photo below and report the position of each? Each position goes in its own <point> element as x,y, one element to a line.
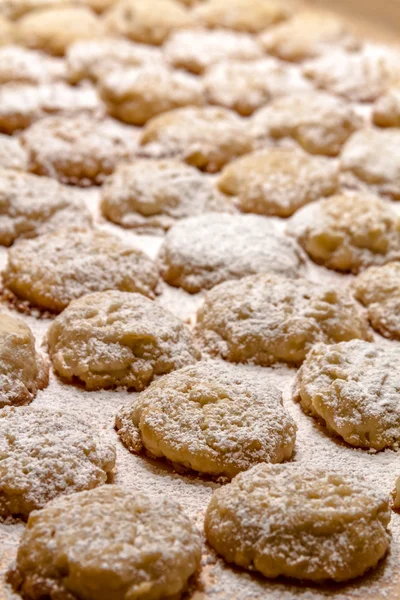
<point>6,31</point>
<point>21,104</point>
<point>300,522</point>
<point>266,319</point>
<point>278,181</point>
<point>211,418</point>
<point>45,454</point>
<point>242,15</point>
<point>306,36</point>
<point>110,339</point>
<point>349,232</point>
<point>90,59</point>
<point>197,49</point>
<point>107,543</point>
<point>354,388</point>
<point>147,22</point>
<point>206,138</point>
<point>32,206</point>
<point>155,194</point>
<point>245,86</point>
<point>79,150</point>
<point>12,155</point>
<point>22,65</point>
<point>52,270</point>
<point>318,122</point>
<point>386,110</point>
<point>372,157</point>
<point>137,95</point>
<point>201,252</point>
<point>378,288</point>
<point>54,29</point>
<point>23,371</point>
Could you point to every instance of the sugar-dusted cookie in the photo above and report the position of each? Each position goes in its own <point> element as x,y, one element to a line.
<point>12,154</point>
<point>386,110</point>
<point>23,65</point>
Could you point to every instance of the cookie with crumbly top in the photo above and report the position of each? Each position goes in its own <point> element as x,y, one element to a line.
<point>210,417</point>
<point>265,319</point>
<point>155,194</point>
<point>45,454</point>
<point>23,65</point>
<point>12,154</point>
<point>300,522</point>
<point>52,270</point>
<point>23,371</point>
<point>242,15</point>
<point>113,542</point>
<point>110,339</point>
<point>80,150</point>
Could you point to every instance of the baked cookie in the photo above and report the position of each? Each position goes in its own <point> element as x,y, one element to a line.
<point>200,252</point>
<point>349,232</point>
<point>110,339</point>
<point>245,86</point>
<point>90,59</point>
<point>155,194</point>
<point>107,543</point>
<point>308,35</point>
<point>52,270</point>
<point>300,522</point>
<point>147,22</point>
<point>137,95</point>
<point>320,123</point>
<point>211,418</point>
<point>6,31</point>
<point>21,104</point>
<point>54,29</point>
<point>206,138</point>
<point>31,206</point>
<point>197,49</point>
<point>21,65</point>
<point>371,156</point>
<point>23,371</point>
<point>278,181</point>
<point>45,454</point>
<point>80,150</point>
<point>14,9</point>
<point>354,388</point>
<point>12,155</point>
<point>378,288</point>
<point>242,15</point>
<point>386,110</point>
<point>266,319</point>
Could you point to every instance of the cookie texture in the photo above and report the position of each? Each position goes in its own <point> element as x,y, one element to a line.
<point>32,206</point>
<point>45,454</point>
<point>349,232</point>
<point>79,150</point>
<point>386,110</point>
<point>278,181</point>
<point>107,543</point>
<point>378,288</point>
<point>137,95</point>
<point>242,15</point>
<point>264,319</point>
<point>6,31</point>
<point>18,64</point>
<point>155,194</point>
<point>113,338</point>
<point>211,418</point>
<point>12,154</point>
<point>23,371</point>
<point>200,252</point>
<point>318,122</point>
<point>300,522</point>
<point>52,270</point>
<point>371,156</point>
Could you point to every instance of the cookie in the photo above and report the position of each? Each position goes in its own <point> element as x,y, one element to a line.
<point>300,522</point>
<point>278,181</point>
<point>21,65</point>
<point>45,454</point>
<point>12,155</point>
<point>211,418</point>
<point>32,206</point>
<point>14,9</point>
<point>155,194</point>
<point>265,319</point>
<point>110,339</point>
<point>242,15</point>
<point>52,270</point>
<point>115,543</point>
<point>386,110</point>
<point>349,232</point>
<point>201,252</point>
<point>23,371</point>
